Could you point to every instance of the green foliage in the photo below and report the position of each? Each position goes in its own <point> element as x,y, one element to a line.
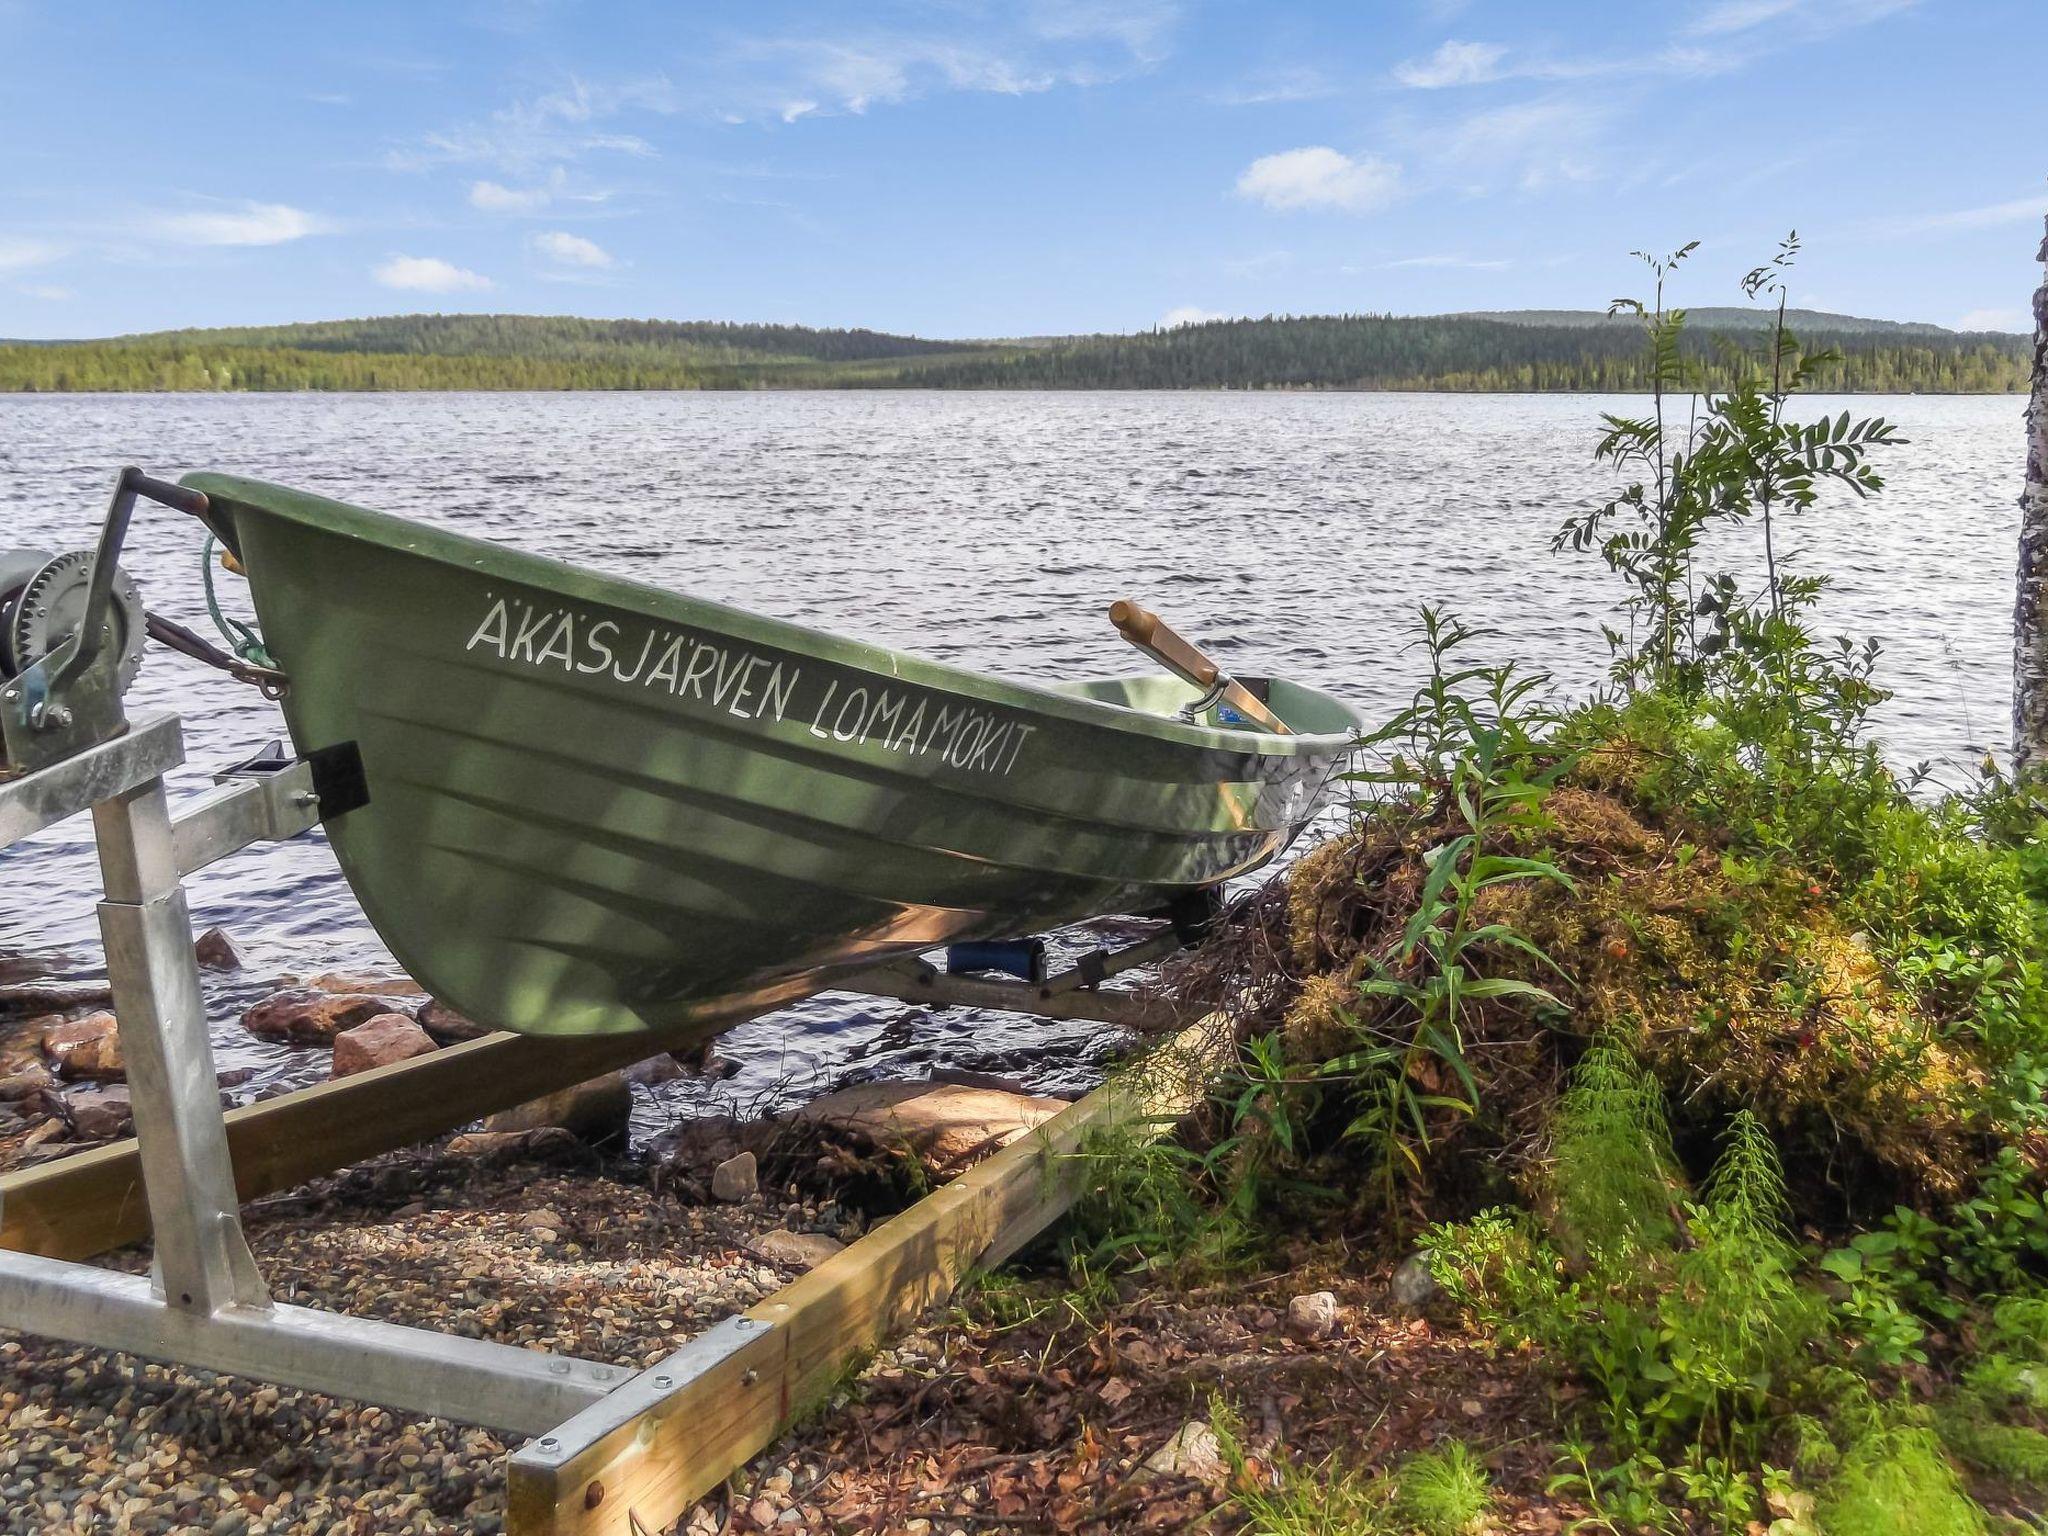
<point>1279,352</point>
<point>1470,752</point>
<point>1612,1182</point>
<point>1149,1201</point>
<point>1439,1492</point>
<point>1893,1480</point>
<point>1442,1492</point>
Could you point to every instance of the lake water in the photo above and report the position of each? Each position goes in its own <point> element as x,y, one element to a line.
<point>1296,534</point>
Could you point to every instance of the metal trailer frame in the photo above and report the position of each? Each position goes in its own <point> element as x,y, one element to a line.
<point>205,1303</point>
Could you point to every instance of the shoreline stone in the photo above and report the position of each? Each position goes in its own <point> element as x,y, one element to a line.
<point>378,1042</point>
<point>86,1049</point>
<point>596,1111</point>
<point>309,1016</point>
<point>737,1178</point>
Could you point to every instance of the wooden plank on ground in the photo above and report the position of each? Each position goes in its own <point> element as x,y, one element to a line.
<point>681,1428</point>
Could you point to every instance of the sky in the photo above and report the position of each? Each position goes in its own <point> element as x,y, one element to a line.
<point>953,168</point>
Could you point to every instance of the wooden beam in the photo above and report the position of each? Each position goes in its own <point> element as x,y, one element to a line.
<point>640,1459</point>
<point>84,1204</point>
<point>916,982</point>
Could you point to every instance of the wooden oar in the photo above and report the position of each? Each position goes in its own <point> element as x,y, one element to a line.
<point>1150,634</point>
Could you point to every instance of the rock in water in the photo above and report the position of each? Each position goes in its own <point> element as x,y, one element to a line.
<point>945,1124</point>
<point>655,1070</point>
<point>378,982</point>
<point>377,1042</point>
<point>736,1178</point>
<point>87,1048</point>
<point>216,951</point>
<point>1312,1317</point>
<point>595,1111</point>
<point>307,1016</point>
<point>447,1026</point>
<point>1413,1284</point>
<point>797,1250</point>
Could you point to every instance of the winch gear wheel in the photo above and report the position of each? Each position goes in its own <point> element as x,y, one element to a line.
<point>50,605</point>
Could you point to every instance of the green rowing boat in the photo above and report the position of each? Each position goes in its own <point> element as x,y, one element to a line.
<point>595,806</point>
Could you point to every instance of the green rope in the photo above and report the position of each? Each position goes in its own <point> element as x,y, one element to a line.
<point>242,638</point>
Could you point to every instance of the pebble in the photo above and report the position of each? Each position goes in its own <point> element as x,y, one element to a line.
<point>96,1441</point>
<point>1312,1317</point>
<point>736,1178</point>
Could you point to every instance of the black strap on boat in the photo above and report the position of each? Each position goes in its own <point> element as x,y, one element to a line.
<point>273,683</point>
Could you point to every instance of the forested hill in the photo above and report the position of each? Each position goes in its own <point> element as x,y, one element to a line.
<point>1514,350</point>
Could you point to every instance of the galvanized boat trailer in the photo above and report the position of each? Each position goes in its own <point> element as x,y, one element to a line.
<point>617,1450</point>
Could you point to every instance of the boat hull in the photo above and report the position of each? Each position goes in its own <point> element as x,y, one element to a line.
<point>595,806</point>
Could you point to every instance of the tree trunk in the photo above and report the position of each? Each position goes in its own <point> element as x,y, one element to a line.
<point>2030,613</point>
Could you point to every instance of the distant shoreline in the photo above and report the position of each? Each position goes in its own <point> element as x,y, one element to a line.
<point>1542,352</point>
<point>2014,393</point>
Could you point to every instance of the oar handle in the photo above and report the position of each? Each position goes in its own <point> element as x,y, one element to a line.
<point>1187,661</point>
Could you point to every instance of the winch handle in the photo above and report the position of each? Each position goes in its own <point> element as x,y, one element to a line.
<point>106,560</point>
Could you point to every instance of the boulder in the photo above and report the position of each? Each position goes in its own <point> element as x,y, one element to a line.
<point>737,1178</point>
<point>488,1146</point>
<point>946,1124</point>
<point>596,1110</point>
<point>309,1016</point>
<point>1312,1317</point>
<point>655,1070</point>
<point>382,984</point>
<point>87,1048</point>
<point>55,996</point>
<point>377,1042</point>
<point>795,1250</point>
<point>99,1113</point>
<point>1193,1451</point>
<point>1413,1283</point>
<point>32,1079</point>
<point>446,1025</point>
<point>216,951</point>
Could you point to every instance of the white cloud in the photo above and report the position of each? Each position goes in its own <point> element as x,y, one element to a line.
<point>1189,314</point>
<point>494,197</point>
<point>1534,144</point>
<point>1277,85</point>
<point>1739,16</point>
<point>1140,26</point>
<point>19,255</point>
<point>567,250</point>
<point>1996,320</point>
<point>2020,210</point>
<point>251,224</point>
<point>1798,20</point>
<point>428,274</point>
<point>49,291</point>
<point>1454,63</point>
<point>545,131</point>
<point>1321,177</point>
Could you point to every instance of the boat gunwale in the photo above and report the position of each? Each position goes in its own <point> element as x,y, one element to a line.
<point>388,531</point>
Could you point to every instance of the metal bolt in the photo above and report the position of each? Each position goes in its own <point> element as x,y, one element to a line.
<point>548,1442</point>
<point>305,797</point>
<point>748,1378</point>
<point>663,1382</point>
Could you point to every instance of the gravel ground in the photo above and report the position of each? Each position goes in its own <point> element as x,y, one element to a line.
<point>588,1260</point>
